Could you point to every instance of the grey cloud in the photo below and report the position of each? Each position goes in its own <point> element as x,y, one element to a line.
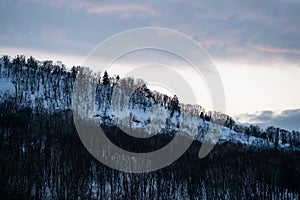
<point>286,119</point>
<point>265,116</point>
<point>253,31</point>
<point>238,28</point>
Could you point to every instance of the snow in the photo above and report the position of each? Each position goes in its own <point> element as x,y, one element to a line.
<point>142,112</point>
<point>240,138</point>
<point>6,86</point>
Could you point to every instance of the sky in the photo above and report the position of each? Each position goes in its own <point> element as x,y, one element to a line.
<point>254,44</point>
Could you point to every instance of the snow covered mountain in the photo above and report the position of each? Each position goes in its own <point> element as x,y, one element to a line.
<point>48,86</point>
<point>42,156</point>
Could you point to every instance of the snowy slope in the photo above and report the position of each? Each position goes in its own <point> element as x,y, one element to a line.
<point>41,90</point>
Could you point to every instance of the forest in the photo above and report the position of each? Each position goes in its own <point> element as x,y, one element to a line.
<point>42,156</point>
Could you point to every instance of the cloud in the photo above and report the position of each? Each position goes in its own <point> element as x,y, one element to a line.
<point>286,119</point>
<point>127,9</point>
<point>68,59</point>
<point>118,8</point>
<point>249,31</point>
<point>271,49</point>
<point>253,31</point>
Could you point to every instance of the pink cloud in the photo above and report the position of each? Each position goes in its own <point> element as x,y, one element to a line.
<point>102,9</point>
<point>96,7</point>
<point>276,49</point>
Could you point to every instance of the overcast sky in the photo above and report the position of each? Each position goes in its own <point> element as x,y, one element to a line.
<point>254,44</point>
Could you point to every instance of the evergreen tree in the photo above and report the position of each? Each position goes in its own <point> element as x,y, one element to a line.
<point>105,79</point>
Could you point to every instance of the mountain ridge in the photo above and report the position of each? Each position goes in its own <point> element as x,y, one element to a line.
<point>47,85</point>
<point>43,157</point>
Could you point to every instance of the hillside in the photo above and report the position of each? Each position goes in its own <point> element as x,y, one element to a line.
<point>43,157</point>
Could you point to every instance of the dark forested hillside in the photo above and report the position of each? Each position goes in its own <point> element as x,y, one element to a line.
<point>42,157</point>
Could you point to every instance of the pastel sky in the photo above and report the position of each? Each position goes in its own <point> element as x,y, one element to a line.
<point>254,44</point>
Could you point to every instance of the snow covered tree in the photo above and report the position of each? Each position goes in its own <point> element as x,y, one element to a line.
<point>174,105</point>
